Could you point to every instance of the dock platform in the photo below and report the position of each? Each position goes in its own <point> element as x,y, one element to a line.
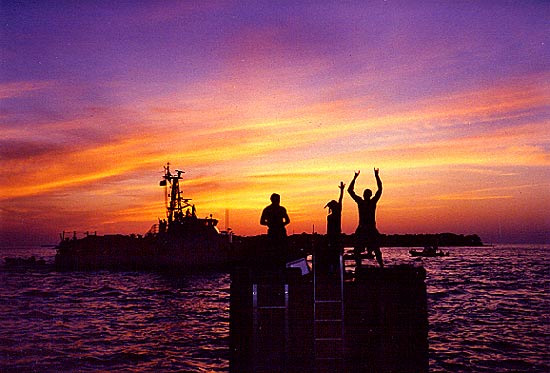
<point>284,321</point>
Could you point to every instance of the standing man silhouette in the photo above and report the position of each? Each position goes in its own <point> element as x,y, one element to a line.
<point>366,234</point>
<point>276,219</point>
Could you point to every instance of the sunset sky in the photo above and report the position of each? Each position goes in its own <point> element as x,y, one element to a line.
<point>451,100</point>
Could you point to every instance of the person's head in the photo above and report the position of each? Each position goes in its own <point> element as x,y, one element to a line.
<point>367,193</point>
<point>275,199</point>
<point>332,206</point>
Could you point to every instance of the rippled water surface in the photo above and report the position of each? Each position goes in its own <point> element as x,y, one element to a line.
<point>488,312</point>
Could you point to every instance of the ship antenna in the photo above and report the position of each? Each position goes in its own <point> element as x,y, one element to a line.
<point>166,195</point>
<point>227,220</point>
<point>167,183</point>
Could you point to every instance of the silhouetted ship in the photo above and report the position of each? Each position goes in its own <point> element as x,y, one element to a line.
<point>181,242</point>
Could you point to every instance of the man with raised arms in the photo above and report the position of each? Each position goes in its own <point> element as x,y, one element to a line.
<point>366,234</point>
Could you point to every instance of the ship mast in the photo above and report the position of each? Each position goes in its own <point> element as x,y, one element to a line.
<point>174,209</point>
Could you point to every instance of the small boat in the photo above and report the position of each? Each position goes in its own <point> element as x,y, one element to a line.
<point>181,242</point>
<point>24,262</point>
<point>429,251</point>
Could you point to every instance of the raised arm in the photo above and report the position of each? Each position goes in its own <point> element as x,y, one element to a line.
<point>341,186</point>
<point>351,187</point>
<point>379,185</point>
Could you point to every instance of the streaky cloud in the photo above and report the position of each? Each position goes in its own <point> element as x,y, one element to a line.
<point>16,89</point>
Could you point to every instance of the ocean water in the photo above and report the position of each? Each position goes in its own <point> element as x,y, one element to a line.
<point>488,312</point>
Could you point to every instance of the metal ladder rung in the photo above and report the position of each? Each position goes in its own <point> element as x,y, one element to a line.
<point>329,301</point>
<point>328,320</point>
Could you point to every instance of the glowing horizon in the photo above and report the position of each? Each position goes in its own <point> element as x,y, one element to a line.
<point>451,102</point>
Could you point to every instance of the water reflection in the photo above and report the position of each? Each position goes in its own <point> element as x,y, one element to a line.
<point>487,312</point>
<point>112,321</point>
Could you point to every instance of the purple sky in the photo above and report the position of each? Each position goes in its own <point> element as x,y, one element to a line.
<point>450,99</point>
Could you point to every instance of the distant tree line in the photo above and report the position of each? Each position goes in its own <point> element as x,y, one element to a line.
<point>420,240</point>
<point>307,240</point>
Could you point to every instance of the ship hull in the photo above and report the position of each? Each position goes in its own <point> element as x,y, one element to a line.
<point>159,253</point>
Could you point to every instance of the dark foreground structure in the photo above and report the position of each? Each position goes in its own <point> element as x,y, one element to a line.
<point>374,320</point>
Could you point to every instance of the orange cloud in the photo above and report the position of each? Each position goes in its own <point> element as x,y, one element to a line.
<point>237,154</point>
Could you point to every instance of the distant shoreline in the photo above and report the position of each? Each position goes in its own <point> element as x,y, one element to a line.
<point>388,240</point>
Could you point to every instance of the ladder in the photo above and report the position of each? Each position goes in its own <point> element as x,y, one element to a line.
<point>328,313</point>
<point>270,329</point>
